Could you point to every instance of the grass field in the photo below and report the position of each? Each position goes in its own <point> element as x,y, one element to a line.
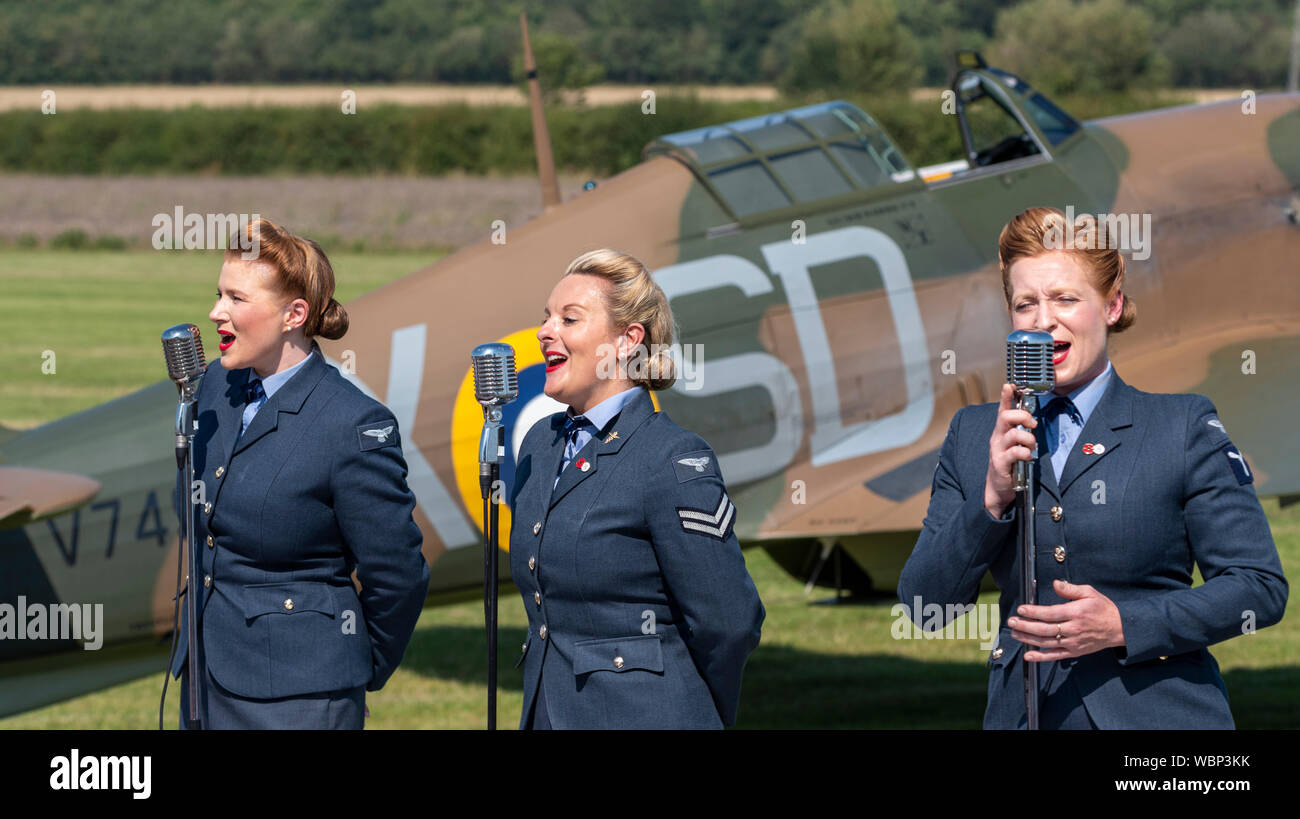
<point>102,315</point>
<point>406,213</point>
<point>819,666</point>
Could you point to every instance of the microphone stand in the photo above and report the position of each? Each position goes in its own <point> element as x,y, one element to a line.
<point>1024,485</point>
<point>185,424</point>
<point>491,448</point>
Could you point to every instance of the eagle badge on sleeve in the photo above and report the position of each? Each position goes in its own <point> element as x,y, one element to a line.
<point>376,435</point>
<point>691,465</point>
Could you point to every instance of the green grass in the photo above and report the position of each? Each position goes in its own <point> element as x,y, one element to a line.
<point>100,315</point>
<point>819,666</point>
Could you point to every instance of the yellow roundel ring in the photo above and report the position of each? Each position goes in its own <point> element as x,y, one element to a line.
<point>467,426</point>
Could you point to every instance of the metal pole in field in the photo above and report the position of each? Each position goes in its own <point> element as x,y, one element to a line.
<point>496,383</point>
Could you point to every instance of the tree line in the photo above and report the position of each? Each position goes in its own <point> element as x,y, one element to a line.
<point>866,46</point>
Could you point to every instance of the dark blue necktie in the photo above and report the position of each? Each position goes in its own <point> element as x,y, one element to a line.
<point>1050,418</point>
<point>253,391</point>
<point>572,426</point>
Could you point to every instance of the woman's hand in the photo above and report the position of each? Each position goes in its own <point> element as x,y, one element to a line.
<point>1007,445</point>
<point>1088,623</point>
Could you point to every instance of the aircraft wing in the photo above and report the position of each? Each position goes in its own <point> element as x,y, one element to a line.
<point>28,494</point>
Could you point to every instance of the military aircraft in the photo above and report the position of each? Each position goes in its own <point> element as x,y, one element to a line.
<point>836,307</point>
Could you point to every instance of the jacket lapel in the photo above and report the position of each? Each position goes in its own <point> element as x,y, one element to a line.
<point>606,442</point>
<point>551,463</point>
<point>1046,472</point>
<point>230,410</point>
<point>289,398</point>
<point>1108,425</point>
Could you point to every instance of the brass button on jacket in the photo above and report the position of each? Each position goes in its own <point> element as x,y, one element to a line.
<point>288,604</point>
<point>1056,513</point>
<point>221,470</point>
<point>1059,554</point>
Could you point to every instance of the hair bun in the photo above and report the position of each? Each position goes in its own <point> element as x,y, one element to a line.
<point>333,321</point>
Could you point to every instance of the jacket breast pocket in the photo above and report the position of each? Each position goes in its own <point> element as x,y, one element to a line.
<point>287,599</point>
<point>618,654</point>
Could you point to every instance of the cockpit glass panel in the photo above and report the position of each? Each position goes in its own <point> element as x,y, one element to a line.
<point>1055,124</point>
<point>709,151</point>
<point>855,156</point>
<point>780,135</point>
<point>810,175</point>
<point>748,188</point>
<point>827,124</point>
<point>810,153</point>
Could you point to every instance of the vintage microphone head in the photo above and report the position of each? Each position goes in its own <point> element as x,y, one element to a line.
<point>495,381</point>
<point>1029,361</point>
<point>183,350</point>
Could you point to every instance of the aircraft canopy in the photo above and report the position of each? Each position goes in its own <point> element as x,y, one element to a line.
<point>777,160</point>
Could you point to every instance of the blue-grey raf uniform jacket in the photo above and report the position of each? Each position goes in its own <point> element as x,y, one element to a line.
<point>1168,490</point>
<point>314,488</point>
<point>641,613</point>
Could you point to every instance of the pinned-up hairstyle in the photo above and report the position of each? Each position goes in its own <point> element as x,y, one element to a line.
<point>301,270</point>
<point>635,297</point>
<point>1036,231</point>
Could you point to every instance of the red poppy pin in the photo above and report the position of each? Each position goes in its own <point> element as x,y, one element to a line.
<point>583,466</point>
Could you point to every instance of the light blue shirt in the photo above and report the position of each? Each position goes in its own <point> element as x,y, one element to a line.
<point>599,416</point>
<point>1085,399</point>
<point>270,384</point>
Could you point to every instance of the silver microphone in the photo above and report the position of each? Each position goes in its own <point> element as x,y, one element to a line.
<point>1029,361</point>
<point>183,350</point>
<point>495,381</point>
<point>495,384</point>
<point>1030,369</point>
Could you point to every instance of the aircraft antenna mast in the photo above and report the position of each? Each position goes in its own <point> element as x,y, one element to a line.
<point>541,135</point>
<point>1293,79</point>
